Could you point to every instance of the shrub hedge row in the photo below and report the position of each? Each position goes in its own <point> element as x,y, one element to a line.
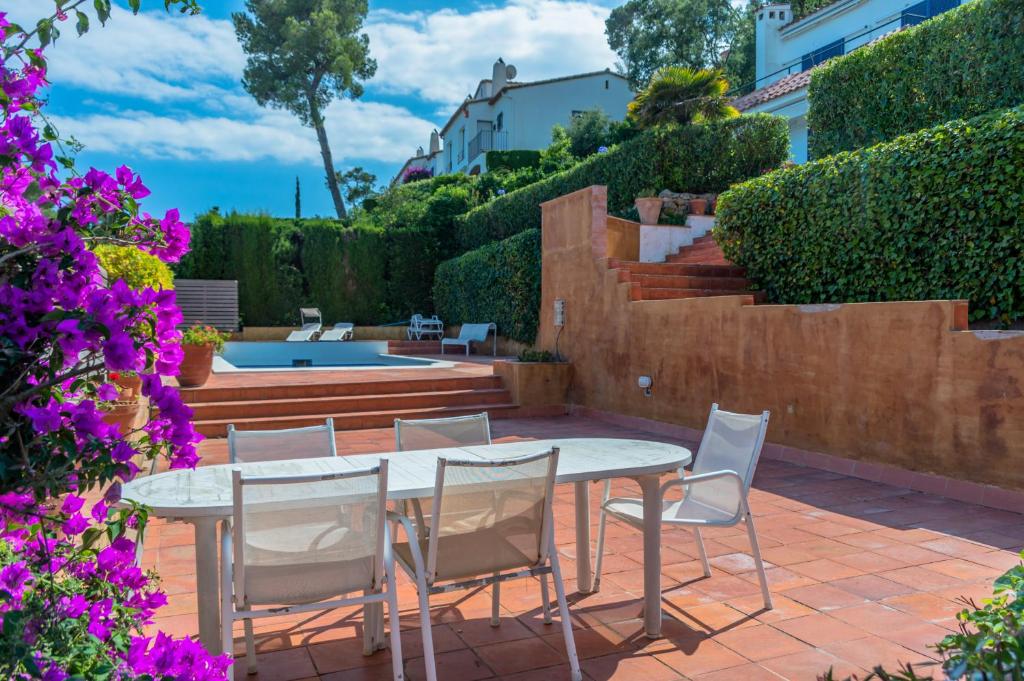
<point>696,158</point>
<point>962,63</point>
<point>361,274</point>
<point>513,159</point>
<point>932,215</point>
<point>499,283</point>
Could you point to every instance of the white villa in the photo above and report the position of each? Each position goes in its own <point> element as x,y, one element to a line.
<point>505,114</point>
<point>787,50</point>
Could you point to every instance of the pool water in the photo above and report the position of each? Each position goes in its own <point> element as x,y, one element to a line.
<point>307,355</point>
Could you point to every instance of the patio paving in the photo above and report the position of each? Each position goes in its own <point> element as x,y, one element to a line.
<point>862,573</point>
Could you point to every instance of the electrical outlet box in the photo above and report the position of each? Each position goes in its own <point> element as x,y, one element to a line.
<point>559,311</point>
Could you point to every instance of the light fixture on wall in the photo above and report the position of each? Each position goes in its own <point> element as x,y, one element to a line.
<point>645,384</point>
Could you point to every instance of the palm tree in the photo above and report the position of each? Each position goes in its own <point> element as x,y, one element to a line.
<point>677,94</point>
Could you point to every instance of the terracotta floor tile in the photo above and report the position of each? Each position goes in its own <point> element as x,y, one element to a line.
<point>511,657</point>
<point>594,642</point>
<point>746,672</point>
<point>712,617</point>
<point>819,629</point>
<point>760,642</point>
<point>780,578</point>
<point>824,597</point>
<point>628,668</point>
<point>964,569</point>
<point>872,587</point>
<point>380,672</point>
<point>920,638</point>
<point>808,665</point>
<point>283,665</point>
<point>926,606</point>
<point>786,555</point>
<point>734,563</point>
<point>707,656</point>
<point>876,618</point>
<point>784,608</point>
<point>480,632</point>
<point>825,570</point>
<point>458,664</point>
<point>867,653</point>
<point>869,562</point>
<point>911,555</point>
<point>921,579</point>
<point>557,673</point>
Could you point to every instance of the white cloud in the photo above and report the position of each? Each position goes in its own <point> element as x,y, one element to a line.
<point>441,56</point>
<point>357,130</point>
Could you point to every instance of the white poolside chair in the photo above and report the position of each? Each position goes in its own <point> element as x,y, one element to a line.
<point>715,495</point>
<point>310,323</point>
<point>311,557</point>
<point>342,331</point>
<point>420,326</point>
<point>491,522</point>
<point>472,333</point>
<point>311,442</point>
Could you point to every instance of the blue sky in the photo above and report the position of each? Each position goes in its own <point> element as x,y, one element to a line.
<point>161,92</point>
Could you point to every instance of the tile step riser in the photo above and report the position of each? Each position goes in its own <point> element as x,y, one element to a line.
<point>319,390</point>
<point>345,405</point>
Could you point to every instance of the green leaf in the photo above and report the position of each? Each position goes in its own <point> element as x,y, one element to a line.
<point>82,23</point>
<point>135,4</point>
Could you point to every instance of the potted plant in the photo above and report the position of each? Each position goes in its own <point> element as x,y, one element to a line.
<point>198,344</point>
<point>698,206</point>
<point>128,383</point>
<point>648,205</point>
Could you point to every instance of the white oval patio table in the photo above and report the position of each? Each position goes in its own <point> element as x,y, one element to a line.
<point>202,497</point>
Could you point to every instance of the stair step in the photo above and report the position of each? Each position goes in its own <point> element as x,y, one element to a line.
<point>355,421</point>
<point>642,293</point>
<point>699,260</point>
<point>678,281</point>
<point>704,239</point>
<point>344,405</point>
<point>414,347</point>
<point>677,269</point>
<point>301,391</point>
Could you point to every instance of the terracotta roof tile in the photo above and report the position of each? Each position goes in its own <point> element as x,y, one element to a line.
<point>783,86</point>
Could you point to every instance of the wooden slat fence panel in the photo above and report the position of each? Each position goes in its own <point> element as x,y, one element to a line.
<point>208,301</point>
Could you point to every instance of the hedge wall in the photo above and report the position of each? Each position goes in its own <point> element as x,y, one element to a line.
<point>499,283</point>
<point>962,63</point>
<point>361,274</point>
<point>696,158</point>
<point>932,215</point>
<point>513,159</point>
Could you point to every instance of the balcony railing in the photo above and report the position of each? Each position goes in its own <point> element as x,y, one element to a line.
<point>488,140</point>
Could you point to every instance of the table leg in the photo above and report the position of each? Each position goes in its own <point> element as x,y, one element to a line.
<point>650,485</point>
<point>584,573</point>
<point>207,587</point>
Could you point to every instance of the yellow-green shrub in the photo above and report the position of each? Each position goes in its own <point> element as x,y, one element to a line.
<point>138,268</point>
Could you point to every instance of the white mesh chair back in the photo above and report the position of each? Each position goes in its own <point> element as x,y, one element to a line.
<point>457,431</point>
<point>310,315</point>
<point>247,446</point>
<point>303,539</point>
<point>731,442</point>
<point>490,516</point>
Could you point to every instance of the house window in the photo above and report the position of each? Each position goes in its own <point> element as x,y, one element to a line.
<point>925,10</point>
<point>833,49</point>
<point>462,144</point>
<point>500,122</point>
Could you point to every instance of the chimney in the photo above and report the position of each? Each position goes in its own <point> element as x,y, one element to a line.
<point>498,79</point>
<point>435,142</point>
<point>769,20</point>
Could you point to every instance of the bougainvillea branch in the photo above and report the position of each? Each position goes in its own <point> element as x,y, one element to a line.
<point>73,603</point>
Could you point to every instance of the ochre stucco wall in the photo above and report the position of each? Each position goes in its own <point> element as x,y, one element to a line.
<point>893,383</point>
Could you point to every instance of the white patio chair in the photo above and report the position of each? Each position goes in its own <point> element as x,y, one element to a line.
<point>311,442</point>
<point>420,326</point>
<point>472,333</point>
<point>342,331</point>
<point>490,518</point>
<point>310,557</point>
<point>715,495</point>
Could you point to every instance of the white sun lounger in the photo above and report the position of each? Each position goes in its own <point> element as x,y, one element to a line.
<point>472,333</point>
<point>306,333</point>
<point>342,331</point>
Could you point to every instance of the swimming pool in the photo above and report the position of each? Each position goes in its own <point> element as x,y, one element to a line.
<point>315,355</point>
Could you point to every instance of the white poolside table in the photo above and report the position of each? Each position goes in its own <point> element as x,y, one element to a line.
<point>202,497</point>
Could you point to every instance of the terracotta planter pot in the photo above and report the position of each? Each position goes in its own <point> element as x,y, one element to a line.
<point>698,206</point>
<point>649,209</point>
<point>195,366</point>
<point>122,414</point>
<point>130,386</point>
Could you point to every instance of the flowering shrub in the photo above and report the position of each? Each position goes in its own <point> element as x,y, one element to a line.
<point>204,335</point>
<point>72,602</point>
<point>414,173</point>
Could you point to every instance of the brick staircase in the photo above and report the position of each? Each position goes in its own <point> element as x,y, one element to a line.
<point>355,405</point>
<point>696,271</point>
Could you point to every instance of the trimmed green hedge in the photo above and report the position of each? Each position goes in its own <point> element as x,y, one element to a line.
<point>962,63</point>
<point>512,160</point>
<point>696,158</point>
<point>499,283</point>
<point>361,274</point>
<point>932,215</point>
